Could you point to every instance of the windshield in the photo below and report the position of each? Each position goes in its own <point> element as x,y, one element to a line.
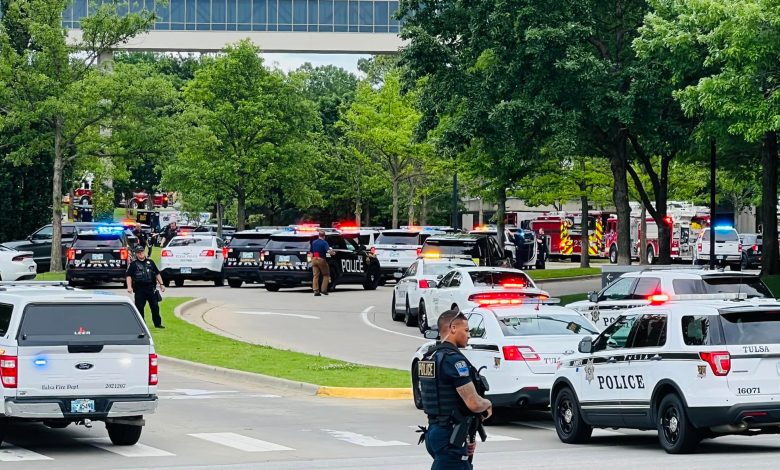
<point>289,243</point>
<point>536,325</point>
<point>190,242</point>
<point>725,235</point>
<point>752,286</point>
<point>503,279</point>
<point>116,323</point>
<point>250,240</point>
<point>98,241</point>
<point>465,248</point>
<point>751,327</point>
<point>398,239</point>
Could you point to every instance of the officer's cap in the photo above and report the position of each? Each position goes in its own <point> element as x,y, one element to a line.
<point>138,249</point>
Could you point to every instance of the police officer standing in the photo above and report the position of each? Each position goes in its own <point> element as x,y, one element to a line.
<point>319,265</point>
<point>541,254</point>
<point>520,249</point>
<point>449,396</point>
<point>142,275</point>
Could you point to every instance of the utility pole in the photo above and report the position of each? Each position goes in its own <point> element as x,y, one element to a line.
<point>455,223</point>
<point>712,203</point>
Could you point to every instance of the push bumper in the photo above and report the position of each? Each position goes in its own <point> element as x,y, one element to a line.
<point>196,274</point>
<point>59,408</point>
<point>525,397</point>
<point>389,271</point>
<point>749,416</point>
<point>721,258</point>
<point>246,274</point>
<point>97,273</point>
<point>286,278</point>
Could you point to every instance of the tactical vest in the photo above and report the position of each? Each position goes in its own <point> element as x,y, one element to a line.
<point>143,275</point>
<point>439,399</point>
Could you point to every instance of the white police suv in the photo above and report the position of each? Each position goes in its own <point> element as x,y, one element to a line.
<point>70,356</point>
<point>693,367</point>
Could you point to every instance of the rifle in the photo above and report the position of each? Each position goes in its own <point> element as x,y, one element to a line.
<point>475,426</point>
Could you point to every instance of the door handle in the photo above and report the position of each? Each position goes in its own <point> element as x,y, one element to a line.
<point>656,358</point>
<point>611,360</point>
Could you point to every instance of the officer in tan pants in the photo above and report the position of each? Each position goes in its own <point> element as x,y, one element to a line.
<point>319,265</point>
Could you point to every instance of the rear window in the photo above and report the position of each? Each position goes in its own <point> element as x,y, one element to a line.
<point>257,240</point>
<point>505,279</point>
<point>116,323</point>
<point>289,243</point>
<point>728,235</point>
<point>190,242</point>
<point>751,327</point>
<point>452,248</point>
<point>701,330</point>
<point>437,269</point>
<point>536,325</point>
<point>752,286</point>
<point>398,239</point>
<point>5,318</point>
<point>98,241</point>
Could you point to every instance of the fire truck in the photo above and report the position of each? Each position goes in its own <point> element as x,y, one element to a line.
<point>564,232</point>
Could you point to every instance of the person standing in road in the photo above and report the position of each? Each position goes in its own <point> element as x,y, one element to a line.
<point>541,253</point>
<point>449,394</point>
<point>520,249</point>
<point>319,265</point>
<point>142,276</point>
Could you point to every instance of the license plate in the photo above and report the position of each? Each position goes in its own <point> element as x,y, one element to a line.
<point>97,257</point>
<point>394,254</point>
<point>82,406</point>
<point>282,259</point>
<point>248,255</point>
<point>186,270</point>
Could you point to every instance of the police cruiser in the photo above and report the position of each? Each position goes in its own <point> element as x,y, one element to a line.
<point>99,255</point>
<point>70,356</point>
<point>634,289</point>
<point>517,347</point>
<point>689,366</point>
<point>287,259</point>
<point>242,260</point>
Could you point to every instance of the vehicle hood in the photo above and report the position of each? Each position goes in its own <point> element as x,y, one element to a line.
<point>580,305</point>
<point>15,244</point>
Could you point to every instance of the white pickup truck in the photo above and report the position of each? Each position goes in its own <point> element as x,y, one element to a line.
<point>728,248</point>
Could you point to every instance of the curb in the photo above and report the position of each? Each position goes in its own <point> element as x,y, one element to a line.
<point>356,393</point>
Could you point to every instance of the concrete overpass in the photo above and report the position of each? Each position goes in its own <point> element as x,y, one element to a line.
<point>320,26</point>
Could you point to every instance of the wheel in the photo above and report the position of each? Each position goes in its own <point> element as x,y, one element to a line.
<point>675,432</point>
<point>650,255</point>
<point>394,312</point>
<point>123,434</point>
<point>409,319</point>
<point>372,279</point>
<point>422,318</point>
<point>236,283</point>
<point>416,391</point>
<point>272,288</point>
<point>569,425</point>
<point>166,282</point>
<point>178,282</point>
<point>613,254</point>
<point>219,281</point>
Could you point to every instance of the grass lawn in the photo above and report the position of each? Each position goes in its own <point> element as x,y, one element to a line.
<point>773,282</point>
<point>58,276</point>
<point>183,340</point>
<point>542,275</point>
<point>569,298</point>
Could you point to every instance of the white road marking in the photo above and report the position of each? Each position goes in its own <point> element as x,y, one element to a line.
<point>362,440</point>
<point>500,438</point>
<point>364,314</point>
<point>296,315</point>
<point>195,391</point>
<point>195,394</point>
<point>11,453</point>
<point>237,441</point>
<point>138,450</point>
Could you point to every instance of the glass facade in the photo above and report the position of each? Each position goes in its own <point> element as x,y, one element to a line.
<point>345,16</point>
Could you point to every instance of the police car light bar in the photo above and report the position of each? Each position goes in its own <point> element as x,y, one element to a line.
<point>658,299</point>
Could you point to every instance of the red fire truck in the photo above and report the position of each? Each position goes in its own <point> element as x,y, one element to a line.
<point>564,230</point>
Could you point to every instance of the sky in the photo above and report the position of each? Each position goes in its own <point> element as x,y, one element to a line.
<point>289,62</point>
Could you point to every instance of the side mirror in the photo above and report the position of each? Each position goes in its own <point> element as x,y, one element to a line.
<point>431,334</point>
<point>593,297</point>
<point>29,238</point>
<point>586,345</point>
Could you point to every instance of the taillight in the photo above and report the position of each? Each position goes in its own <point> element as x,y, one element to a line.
<point>9,372</point>
<point>497,298</point>
<point>123,254</point>
<point>698,247</point>
<point>224,252</point>
<point>719,361</point>
<point>19,258</point>
<point>207,253</point>
<point>426,284</point>
<point>71,254</point>
<point>754,248</point>
<point>166,254</point>
<point>419,250</point>
<point>153,369</point>
<point>740,247</point>
<point>520,353</point>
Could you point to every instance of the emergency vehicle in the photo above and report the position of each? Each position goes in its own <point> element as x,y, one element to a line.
<point>242,260</point>
<point>564,232</point>
<point>689,366</point>
<point>99,255</point>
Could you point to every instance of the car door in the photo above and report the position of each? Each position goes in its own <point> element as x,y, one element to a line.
<point>435,296</point>
<point>600,398</point>
<point>612,301</point>
<point>481,349</point>
<point>40,245</point>
<point>447,299</point>
<point>407,283</point>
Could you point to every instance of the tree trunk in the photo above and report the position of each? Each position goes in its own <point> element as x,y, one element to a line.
<point>500,214</point>
<point>56,199</point>
<point>618,162</point>
<point>584,240</point>
<point>643,236</point>
<point>219,218</point>
<point>410,211</point>
<point>395,203</point>
<point>769,263</point>
<point>240,210</point>
<point>424,210</point>
<point>368,215</point>
<point>481,215</point>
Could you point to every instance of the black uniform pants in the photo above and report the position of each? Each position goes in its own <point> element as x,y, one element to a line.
<point>146,294</point>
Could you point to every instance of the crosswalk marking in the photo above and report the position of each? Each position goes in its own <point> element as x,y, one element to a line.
<point>11,453</point>
<point>138,450</point>
<point>362,440</point>
<point>500,438</point>
<point>237,441</point>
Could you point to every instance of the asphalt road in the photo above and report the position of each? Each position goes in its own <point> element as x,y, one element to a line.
<point>208,423</point>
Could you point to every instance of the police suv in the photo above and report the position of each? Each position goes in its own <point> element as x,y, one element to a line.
<point>286,261</point>
<point>242,260</point>
<point>70,356</point>
<point>690,369</point>
<point>634,289</point>
<point>99,255</point>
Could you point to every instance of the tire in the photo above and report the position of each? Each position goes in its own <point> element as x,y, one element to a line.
<point>178,282</point>
<point>569,425</point>
<point>675,431</point>
<point>409,319</point>
<point>123,434</point>
<point>235,283</point>
<point>613,255</point>
<point>394,312</point>
<point>422,318</point>
<point>272,288</point>
<point>219,281</point>
<point>372,279</point>
<point>416,392</point>
<point>650,255</point>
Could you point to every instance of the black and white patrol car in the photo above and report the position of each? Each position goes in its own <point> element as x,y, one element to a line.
<point>69,356</point>
<point>287,258</point>
<point>694,367</point>
<point>99,255</point>
<point>634,289</point>
<point>242,263</point>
